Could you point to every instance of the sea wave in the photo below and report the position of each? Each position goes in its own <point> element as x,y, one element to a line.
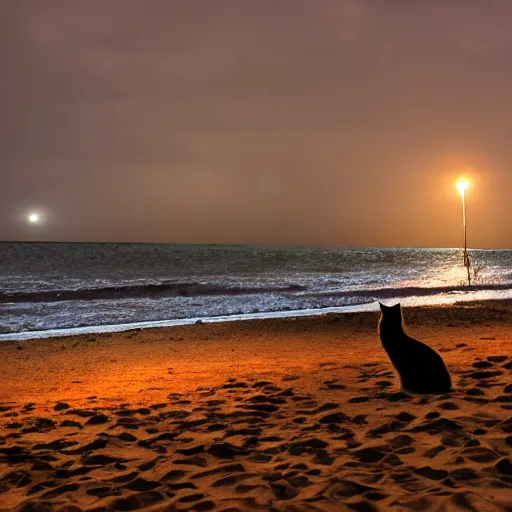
<point>142,290</point>
<point>406,291</point>
<point>54,286</point>
<point>196,289</point>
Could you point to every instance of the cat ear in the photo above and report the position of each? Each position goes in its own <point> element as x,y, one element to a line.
<point>382,307</point>
<point>397,306</point>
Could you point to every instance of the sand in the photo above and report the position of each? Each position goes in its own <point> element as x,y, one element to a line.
<point>298,414</point>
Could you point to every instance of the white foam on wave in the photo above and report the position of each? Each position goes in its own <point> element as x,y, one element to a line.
<point>21,336</point>
<point>450,298</point>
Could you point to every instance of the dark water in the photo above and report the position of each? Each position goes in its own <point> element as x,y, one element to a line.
<point>59,285</point>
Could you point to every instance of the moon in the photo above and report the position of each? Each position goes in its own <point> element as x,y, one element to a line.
<point>33,218</point>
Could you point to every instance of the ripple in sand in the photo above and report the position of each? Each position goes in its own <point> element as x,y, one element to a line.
<point>432,452</point>
<point>400,441</point>
<point>188,498</point>
<point>193,461</point>
<point>307,446</point>
<point>475,392</point>
<point>232,479</point>
<point>297,480</point>
<point>437,426</point>
<point>227,468</point>
<point>137,501</point>
<point>58,445</point>
<point>485,375</point>
<point>61,406</point>
<point>448,406</point>
<point>497,359</point>
<point>395,397</point>
<point>393,460</point>
<point>390,426</point>
<point>141,484</point>
<point>60,490</point>
<point>284,491</point>
<point>333,385</point>
<point>191,451</point>
<point>97,419</point>
<point>339,489</point>
<point>337,417</point>
<point>482,365</point>
<point>103,492</point>
<point>479,454</point>
<point>41,465</point>
<point>368,455</point>
<point>431,473</point>
<point>97,444</point>
<point>463,474</point>
<point>405,417</point>
<point>226,450</point>
<point>360,419</point>
<point>504,466</point>
<point>127,437</point>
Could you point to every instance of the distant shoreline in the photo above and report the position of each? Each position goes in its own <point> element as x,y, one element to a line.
<point>249,244</point>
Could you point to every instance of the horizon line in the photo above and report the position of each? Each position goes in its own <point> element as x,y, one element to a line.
<point>250,244</point>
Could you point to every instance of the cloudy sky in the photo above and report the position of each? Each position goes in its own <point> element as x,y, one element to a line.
<point>311,122</point>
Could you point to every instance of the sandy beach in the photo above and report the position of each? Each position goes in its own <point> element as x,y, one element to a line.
<point>301,414</point>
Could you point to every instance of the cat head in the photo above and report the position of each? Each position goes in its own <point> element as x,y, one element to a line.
<point>392,313</point>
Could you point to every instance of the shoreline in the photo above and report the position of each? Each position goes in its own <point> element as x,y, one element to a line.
<point>407,302</point>
<point>39,368</point>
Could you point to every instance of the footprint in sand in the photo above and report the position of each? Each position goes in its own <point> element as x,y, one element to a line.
<point>332,384</point>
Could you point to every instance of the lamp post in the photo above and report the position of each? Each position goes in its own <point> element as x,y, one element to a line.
<point>462,185</point>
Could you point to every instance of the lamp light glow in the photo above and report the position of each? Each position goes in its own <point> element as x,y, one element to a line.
<point>462,185</point>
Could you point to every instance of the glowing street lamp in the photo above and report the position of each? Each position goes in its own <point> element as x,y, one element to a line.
<point>462,185</point>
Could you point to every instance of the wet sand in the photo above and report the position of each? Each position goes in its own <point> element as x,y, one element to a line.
<point>281,414</point>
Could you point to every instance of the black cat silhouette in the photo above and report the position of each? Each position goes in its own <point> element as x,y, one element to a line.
<point>421,368</point>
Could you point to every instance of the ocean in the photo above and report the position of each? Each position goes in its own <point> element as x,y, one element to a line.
<point>56,288</point>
